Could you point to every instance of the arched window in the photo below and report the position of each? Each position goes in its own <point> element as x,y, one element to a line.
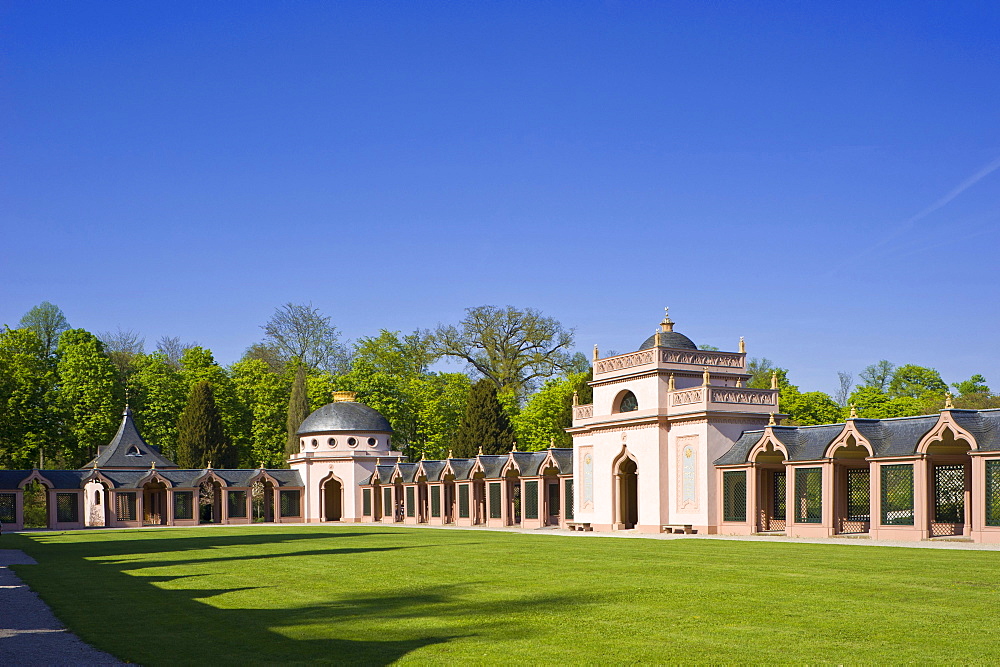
<point>133,451</point>
<point>628,402</point>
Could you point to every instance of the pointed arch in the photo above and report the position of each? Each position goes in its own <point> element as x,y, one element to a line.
<point>768,443</point>
<point>331,497</point>
<point>946,430</point>
<point>849,438</point>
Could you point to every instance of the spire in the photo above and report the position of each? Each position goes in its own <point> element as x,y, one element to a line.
<point>743,346</point>
<point>667,324</point>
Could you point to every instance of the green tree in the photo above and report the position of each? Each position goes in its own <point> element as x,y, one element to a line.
<point>298,410</point>
<point>760,369</point>
<point>974,385</point>
<point>90,395</point>
<point>811,407</point>
<point>485,424</point>
<point>48,321</point>
<point>28,420</point>
<point>201,438</point>
<point>916,382</point>
<point>878,375</point>
<point>264,394</point>
<point>123,348</point>
<point>512,348</point>
<point>198,365</point>
<point>158,393</point>
<point>874,404</point>
<point>549,412</point>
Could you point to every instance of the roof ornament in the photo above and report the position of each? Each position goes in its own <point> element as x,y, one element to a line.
<point>705,377</point>
<point>743,346</point>
<point>449,453</point>
<point>514,448</point>
<point>656,338</point>
<point>854,412</point>
<point>152,465</point>
<point>378,460</point>
<point>667,325</point>
<point>595,353</point>
<point>739,382</point>
<point>774,379</point>
<point>552,442</point>
<point>210,464</point>
<point>670,383</point>
<point>576,398</point>
<point>261,465</point>
<point>949,403</point>
<point>771,421</point>
<point>480,452</point>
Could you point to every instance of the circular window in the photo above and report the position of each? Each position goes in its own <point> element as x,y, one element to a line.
<point>315,443</point>
<point>303,447</point>
<point>628,403</point>
<point>352,442</point>
<point>372,442</point>
<point>332,442</point>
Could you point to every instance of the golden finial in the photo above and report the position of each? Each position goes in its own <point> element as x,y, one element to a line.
<point>854,412</point>
<point>210,464</point>
<point>774,379</point>
<point>771,422</point>
<point>449,453</point>
<point>576,398</point>
<point>670,383</point>
<point>667,324</point>
<point>743,346</point>
<point>595,353</point>
<point>552,442</point>
<point>705,377</point>
<point>948,402</point>
<point>261,465</point>
<point>378,460</point>
<point>514,448</point>
<point>480,452</point>
<point>152,465</point>
<point>739,382</point>
<point>656,339</point>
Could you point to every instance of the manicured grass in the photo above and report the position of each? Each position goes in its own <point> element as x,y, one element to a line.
<point>377,595</point>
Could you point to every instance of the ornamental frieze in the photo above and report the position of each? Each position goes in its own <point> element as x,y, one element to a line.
<point>744,396</point>
<point>701,358</point>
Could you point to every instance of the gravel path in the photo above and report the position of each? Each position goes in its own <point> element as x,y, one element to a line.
<point>29,632</point>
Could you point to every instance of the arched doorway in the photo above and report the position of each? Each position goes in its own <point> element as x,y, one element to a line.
<point>210,502</point>
<point>36,505</point>
<point>333,493</point>
<point>262,501</point>
<point>513,481</point>
<point>949,475</point>
<point>771,489</point>
<point>154,504</point>
<point>628,493</point>
<point>851,489</point>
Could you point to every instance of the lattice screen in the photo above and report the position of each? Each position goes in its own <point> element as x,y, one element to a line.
<point>496,502</point>
<point>289,503</point>
<point>858,494</point>
<point>531,500</point>
<point>366,502</point>
<point>780,499</point>
<point>387,502</point>
<point>949,493</point>
<point>411,501</point>
<point>435,501</point>
<point>808,495</point>
<point>897,495</point>
<point>8,507</point>
<point>183,505</point>
<point>125,506</point>
<point>463,501</point>
<point>67,507</point>
<point>993,493</point>
<point>237,504</point>
<point>569,499</point>
<point>734,495</point>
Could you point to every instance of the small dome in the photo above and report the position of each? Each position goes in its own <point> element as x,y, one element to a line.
<point>669,339</point>
<point>345,416</point>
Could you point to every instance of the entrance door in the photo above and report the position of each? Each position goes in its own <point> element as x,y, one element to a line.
<point>628,494</point>
<point>332,500</point>
<point>552,502</point>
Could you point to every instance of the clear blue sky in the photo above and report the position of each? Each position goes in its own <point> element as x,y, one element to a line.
<point>816,177</point>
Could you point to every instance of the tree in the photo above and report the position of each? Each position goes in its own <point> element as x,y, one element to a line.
<point>28,421</point>
<point>549,412</point>
<point>173,349</point>
<point>122,347</point>
<point>878,375</point>
<point>200,436</point>
<point>846,379</point>
<point>760,369</point>
<point>269,354</point>
<point>48,321</point>
<point>974,385</point>
<point>871,403</point>
<point>264,395</point>
<point>300,332</point>
<point>485,424</point>
<point>811,407</point>
<point>298,410</point>
<point>708,348</point>
<point>90,395</point>
<point>158,393</point>
<point>198,365</point>
<point>916,382</point>
<point>510,347</point>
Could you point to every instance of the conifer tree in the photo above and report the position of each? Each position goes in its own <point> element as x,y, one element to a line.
<point>200,437</point>
<point>485,424</point>
<point>298,410</point>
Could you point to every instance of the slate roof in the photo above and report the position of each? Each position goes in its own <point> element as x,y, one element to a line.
<point>116,454</point>
<point>528,462</point>
<point>432,470</point>
<point>408,471</point>
<point>563,457</point>
<point>669,339</point>
<point>493,465</point>
<point>345,416</point>
<point>461,467</point>
<point>898,436</point>
<point>11,479</point>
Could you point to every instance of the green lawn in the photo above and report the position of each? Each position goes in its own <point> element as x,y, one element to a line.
<point>377,595</point>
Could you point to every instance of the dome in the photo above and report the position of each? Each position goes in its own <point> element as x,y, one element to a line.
<point>345,416</point>
<point>669,339</point>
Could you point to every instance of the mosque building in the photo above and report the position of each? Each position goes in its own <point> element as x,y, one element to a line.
<point>673,442</point>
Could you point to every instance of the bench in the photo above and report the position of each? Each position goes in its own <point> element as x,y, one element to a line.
<point>572,525</point>
<point>685,528</point>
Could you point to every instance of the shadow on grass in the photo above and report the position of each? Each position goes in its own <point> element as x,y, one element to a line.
<point>161,619</point>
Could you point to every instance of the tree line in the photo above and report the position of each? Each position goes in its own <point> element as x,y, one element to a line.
<point>62,390</point>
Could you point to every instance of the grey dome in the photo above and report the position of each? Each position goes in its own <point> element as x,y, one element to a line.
<point>670,339</point>
<point>345,416</point>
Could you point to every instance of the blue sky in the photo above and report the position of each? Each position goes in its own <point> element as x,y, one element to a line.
<point>821,178</point>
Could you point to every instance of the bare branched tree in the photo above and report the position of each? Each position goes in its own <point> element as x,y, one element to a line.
<point>122,346</point>
<point>844,391</point>
<point>301,332</point>
<point>173,349</point>
<point>511,347</point>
